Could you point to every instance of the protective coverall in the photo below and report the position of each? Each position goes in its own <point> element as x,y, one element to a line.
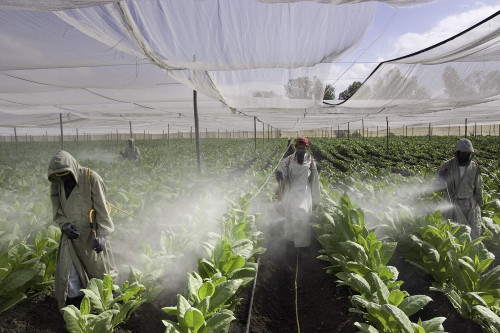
<point>78,254</point>
<point>301,193</point>
<point>131,152</point>
<point>460,180</point>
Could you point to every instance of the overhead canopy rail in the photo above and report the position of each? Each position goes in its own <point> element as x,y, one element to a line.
<point>104,64</point>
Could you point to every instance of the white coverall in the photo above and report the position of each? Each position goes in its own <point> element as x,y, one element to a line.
<point>301,192</point>
<point>463,188</point>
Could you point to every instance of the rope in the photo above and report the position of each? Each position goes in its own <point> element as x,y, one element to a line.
<point>296,303</point>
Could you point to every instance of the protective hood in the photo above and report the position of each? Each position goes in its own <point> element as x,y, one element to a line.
<point>464,145</point>
<point>61,163</point>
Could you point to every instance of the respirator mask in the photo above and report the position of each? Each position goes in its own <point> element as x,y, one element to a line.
<point>300,153</point>
<point>464,158</point>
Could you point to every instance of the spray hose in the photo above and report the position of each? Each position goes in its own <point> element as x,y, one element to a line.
<point>267,180</point>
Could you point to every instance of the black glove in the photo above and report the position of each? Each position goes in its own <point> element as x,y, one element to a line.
<point>99,243</point>
<point>279,175</point>
<point>70,231</point>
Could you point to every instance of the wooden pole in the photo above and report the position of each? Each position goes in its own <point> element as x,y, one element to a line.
<point>130,125</point>
<point>197,131</point>
<point>15,136</point>
<point>61,125</point>
<point>465,128</point>
<point>348,131</point>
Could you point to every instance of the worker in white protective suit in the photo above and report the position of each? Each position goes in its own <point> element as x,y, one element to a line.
<point>301,195</point>
<point>131,152</point>
<point>460,180</point>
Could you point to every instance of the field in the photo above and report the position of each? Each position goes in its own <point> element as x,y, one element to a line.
<point>182,225</point>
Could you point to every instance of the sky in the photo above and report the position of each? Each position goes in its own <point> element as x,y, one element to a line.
<point>402,31</point>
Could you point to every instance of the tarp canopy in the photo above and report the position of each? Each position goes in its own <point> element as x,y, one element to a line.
<point>102,64</point>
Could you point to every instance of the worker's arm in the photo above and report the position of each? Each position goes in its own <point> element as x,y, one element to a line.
<point>478,187</point>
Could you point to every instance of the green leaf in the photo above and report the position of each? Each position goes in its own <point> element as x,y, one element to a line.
<point>194,319</point>
<point>404,323</point>
<point>433,325</point>
<point>411,304</point>
<point>74,322</point>
<point>207,289</point>
<point>171,310</point>
<point>102,323</point>
<point>236,262</point>
<point>396,297</point>
<point>223,292</point>
<point>366,328</point>
<point>490,318</point>
<point>219,322</point>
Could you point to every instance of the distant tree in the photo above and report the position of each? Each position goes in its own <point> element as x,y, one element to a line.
<point>455,86</point>
<point>304,88</point>
<point>264,94</point>
<point>477,83</point>
<point>394,85</point>
<point>353,87</point>
<point>329,92</point>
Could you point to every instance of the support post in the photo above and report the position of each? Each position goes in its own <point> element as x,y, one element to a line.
<point>387,138</point>
<point>15,136</point>
<point>61,125</point>
<point>465,128</point>
<point>255,131</point>
<point>130,125</point>
<point>197,131</point>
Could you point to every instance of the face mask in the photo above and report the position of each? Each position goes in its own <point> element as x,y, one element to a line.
<point>464,158</point>
<point>300,155</point>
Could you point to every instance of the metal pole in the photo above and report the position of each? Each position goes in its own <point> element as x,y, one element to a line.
<point>348,131</point>
<point>263,134</point>
<point>130,124</point>
<point>197,131</point>
<point>255,131</point>
<point>387,138</point>
<point>429,131</point>
<point>15,135</point>
<point>465,128</point>
<point>61,125</point>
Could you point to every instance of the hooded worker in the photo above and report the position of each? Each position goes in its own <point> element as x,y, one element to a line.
<point>299,176</point>
<point>460,180</point>
<point>78,195</point>
<point>131,152</point>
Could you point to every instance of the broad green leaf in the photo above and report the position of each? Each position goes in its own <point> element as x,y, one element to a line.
<point>236,262</point>
<point>194,319</point>
<point>404,323</point>
<point>489,317</point>
<point>219,322</point>
<point>433,325</point>
<point>223,291</point>
<point>396,297</point>
<point>411,304</point>
<point>365,328</point>
<point>171,310</point>
<point>74,322</point>
<point>207,289</point>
